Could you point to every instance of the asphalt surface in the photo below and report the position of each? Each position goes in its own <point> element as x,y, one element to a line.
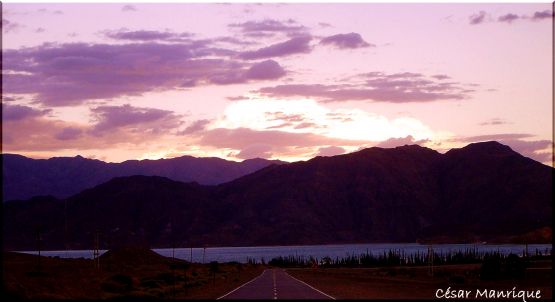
<point>275,284</point>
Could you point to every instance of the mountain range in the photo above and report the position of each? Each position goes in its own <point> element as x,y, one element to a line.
<point>61,177</point>
<point>482,192</point>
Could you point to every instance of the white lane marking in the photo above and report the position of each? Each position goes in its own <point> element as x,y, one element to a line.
<point>323,293</point>
<point>275,288</point>
<point>242,285</point>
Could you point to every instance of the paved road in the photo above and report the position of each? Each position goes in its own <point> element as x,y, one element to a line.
<point>275,284</point>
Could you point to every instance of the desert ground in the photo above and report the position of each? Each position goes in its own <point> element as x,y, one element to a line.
<point>141,273</point>
<point>128,274</point>
<point>418,282</point>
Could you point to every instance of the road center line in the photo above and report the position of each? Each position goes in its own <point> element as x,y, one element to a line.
<point>275,288</point>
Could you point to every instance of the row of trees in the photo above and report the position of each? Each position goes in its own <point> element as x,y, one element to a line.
<point>395,258</point>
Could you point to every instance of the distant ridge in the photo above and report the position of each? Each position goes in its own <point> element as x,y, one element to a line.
<point>482,192</point>
<point>61,177</point>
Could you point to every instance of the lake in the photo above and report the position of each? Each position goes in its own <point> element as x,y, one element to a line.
<point>242,254</point>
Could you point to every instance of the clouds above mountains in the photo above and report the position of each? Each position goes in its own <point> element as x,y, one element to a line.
<point>293,46</point>
<point>68,133</point>
<point>195,127</point>
<point>375,86</point>
<point>10,26</point>
<point>70,74</point>
<point>401,141</point>
<point>110,118</point>
<point>28,128</point>
<point>270,28</point>
<point>265,70</point>
<point>477,18</point>
<point>541,15</point>
<point>264,144</point>
<point>128,8</point>
<point>20,112</point>
<point>509,18</point>
<point>350,40</point>
<point>229,81</point>
<point>147,35</point>
<point>133,62</point>
<point>330,151</point>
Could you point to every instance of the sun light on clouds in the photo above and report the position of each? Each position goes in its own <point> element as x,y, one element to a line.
<point>373,127</point>
<point>253,113</point>
<point>306,115</point>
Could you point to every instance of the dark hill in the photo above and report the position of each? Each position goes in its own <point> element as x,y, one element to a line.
<point>483,192</point>
<point>135,256</point>
<point>371,195</point>
<point>23,177</point>
<point>140,210</point>
<point>488,189</point>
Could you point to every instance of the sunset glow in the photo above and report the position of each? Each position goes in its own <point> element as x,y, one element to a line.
<point>280,81</point>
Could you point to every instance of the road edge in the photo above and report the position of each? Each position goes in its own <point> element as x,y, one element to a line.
<point>323,293</point>
<point>229,293</point>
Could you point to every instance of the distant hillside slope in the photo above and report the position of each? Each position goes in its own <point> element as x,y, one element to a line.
<point>484,192</point>
<point>23,177</point>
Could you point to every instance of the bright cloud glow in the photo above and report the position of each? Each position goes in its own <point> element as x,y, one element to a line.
<point>345,123</point>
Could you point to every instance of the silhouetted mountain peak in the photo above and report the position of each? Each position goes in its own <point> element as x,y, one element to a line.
<point>411,147</point>
<point>12,155</point>
<point>262,161</point>
<point>252,160</point>
<point>405,149</point>
<point>64,176</point>
<point>488,148</point>
<point>492,146</point>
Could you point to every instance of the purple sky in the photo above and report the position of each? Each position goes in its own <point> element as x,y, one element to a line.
<point>285,81</point>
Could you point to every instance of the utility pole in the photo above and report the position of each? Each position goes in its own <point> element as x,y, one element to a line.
<point>172,238</point>
<point>96,251</point>
<point>38,248</point>
<point>431,260</point>
<point>173,269</point>
<point>65,227</point>
<point>173,249</point>
<point>173,257</point>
